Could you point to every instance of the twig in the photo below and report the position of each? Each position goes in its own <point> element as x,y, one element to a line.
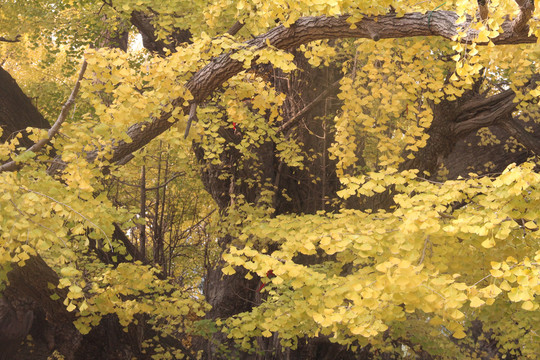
<point>189,229</point>
<point>424,251</point>
<point>70,208</point>
<point>175,175</point>
<point>479,281</point>
<point>36,223</point>
<point>308,107</point>
<point>17,39</point>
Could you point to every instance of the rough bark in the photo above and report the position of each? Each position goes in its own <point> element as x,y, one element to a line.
<point>311,96</point>
<point>458,119</point>
<point>454,122</point>
<point>14,325</point>
<point>28,291</point>
<point>470,157</point>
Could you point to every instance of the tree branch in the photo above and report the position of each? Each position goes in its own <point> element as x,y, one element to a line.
<point>233,30</point>
<point>17,39</point>
<point>494,110</point>
<point>305,30</point>
<point>483,9</point>
<point>174,176</point>
<point>525,138</point>
<point>291,122</point>
<point>526,9</point>
<point>192,116</point>
<point>485,112</point>
<point>143,23</point>
<point>13,165</point>
<point>17,112</point>
<point>130,248</point>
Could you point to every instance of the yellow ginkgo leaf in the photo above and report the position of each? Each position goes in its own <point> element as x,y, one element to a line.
<point>476,302</point>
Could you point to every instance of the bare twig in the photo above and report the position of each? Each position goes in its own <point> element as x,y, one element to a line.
<point>286,126</point>
<point>426,242</point>
<point>194,226</point>
<point>479,281</point>
<point>175,175</point>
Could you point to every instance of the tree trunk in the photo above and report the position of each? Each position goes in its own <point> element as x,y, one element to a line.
<point>454,124</point>
<point>14,102</point>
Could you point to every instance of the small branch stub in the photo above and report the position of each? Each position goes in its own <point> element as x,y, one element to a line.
<point>374,35</point>
<point>192,116</point>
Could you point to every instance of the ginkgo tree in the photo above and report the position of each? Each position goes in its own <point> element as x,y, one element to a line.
<point>374,165</point>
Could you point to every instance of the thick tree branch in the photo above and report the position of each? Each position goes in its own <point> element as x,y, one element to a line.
<point>485,112</point>
<point>17,111</point>
<point>494,110</point>
<point>525,138</point>
<point>526,10</point>
<point>119,234</point>
<point>143,23</point>
<point>305,30</point>
<point>438,23</point>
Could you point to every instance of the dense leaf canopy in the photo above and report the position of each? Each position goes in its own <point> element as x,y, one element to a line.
<point>373,164</point>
